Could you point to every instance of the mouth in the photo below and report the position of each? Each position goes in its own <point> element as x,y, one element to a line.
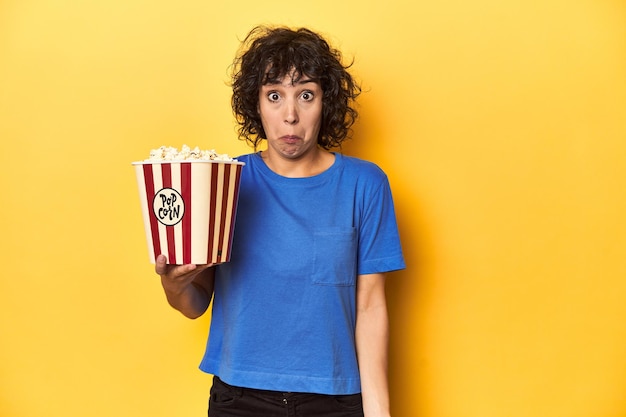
<point>290,138</point>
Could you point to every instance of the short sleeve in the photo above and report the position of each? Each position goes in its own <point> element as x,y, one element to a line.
<point>379,241</point>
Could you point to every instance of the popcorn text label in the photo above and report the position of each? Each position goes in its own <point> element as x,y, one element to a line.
<point>168,206</point>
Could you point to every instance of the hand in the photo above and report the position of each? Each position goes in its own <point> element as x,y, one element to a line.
<point>176,278</point>
<point>188,288</point>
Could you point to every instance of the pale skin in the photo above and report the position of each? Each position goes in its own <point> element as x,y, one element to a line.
<point>291,116</point>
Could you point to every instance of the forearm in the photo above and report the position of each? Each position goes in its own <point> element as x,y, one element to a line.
<point>372,336</point>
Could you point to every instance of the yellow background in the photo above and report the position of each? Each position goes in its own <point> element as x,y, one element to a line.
<point>502,127</point>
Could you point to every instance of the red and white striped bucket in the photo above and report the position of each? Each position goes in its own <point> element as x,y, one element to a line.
<point>189,208</point>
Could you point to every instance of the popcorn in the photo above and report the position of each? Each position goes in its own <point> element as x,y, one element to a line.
<point>169,153</point>
<point>188,203</point>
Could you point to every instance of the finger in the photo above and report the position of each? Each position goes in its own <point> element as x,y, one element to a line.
<point>160,266</point>
<point>202,267</point>
<point>163,268</point>
<point>181,270</point>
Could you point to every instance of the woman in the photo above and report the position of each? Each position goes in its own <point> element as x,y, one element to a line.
<point>299,318</point>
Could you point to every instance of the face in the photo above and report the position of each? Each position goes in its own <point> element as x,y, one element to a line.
<point>291,114</point>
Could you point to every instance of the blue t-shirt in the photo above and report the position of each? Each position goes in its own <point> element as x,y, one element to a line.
<point>284,312</point>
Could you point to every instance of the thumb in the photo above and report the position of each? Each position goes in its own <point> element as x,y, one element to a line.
<point>160,266</point>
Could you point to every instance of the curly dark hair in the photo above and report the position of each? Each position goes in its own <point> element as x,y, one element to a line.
<point>268,54</point>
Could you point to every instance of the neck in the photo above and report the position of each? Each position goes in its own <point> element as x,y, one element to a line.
<point>309,166</point>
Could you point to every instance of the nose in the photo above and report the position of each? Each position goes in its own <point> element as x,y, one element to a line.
<point>291,113</point>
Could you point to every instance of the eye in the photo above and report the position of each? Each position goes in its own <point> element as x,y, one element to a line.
<point>273,96</point>
<point>307,95</point>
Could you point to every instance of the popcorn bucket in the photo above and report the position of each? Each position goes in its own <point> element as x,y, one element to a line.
<point>189,208</point>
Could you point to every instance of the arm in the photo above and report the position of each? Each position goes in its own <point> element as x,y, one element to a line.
<point>372,336</point>
<point>188,288</point>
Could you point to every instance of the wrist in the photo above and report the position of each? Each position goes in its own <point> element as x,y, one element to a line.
<point>172,288</point>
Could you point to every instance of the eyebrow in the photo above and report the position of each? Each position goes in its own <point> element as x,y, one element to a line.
<point>299,82</point>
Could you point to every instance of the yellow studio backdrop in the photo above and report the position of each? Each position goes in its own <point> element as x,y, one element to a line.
<point>501,125</point>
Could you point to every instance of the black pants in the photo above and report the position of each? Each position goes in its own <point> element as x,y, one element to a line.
<point>230,401</point>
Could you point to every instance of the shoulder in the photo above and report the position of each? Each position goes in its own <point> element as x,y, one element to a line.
<point>362,168</point>
<point>245,157</point>
<point>251,165</point>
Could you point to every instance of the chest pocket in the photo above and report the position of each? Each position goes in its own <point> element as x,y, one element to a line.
<point>335,254</point>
